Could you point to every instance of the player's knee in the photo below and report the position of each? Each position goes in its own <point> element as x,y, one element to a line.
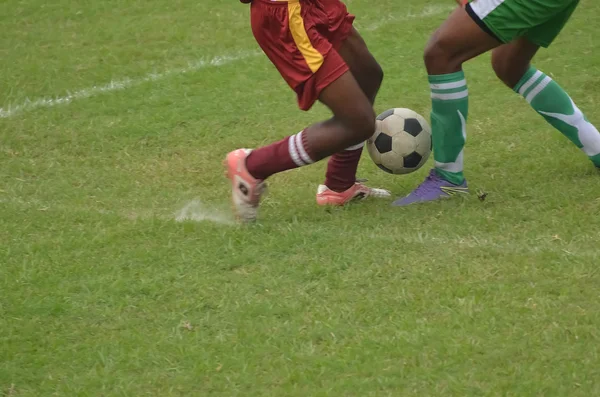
<point>362,125</point>
<point>366,128</point>
<point>439,59</point>
<point>507,70</point>
<point>377,74</point>
<point>371,79</point>
<point>435,58</point>
<point>501,66</point>
<point>376,78</point>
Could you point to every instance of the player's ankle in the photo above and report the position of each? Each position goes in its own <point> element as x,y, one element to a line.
<point>338,187</point>
<point>454,178</point>
<point>254,173</point>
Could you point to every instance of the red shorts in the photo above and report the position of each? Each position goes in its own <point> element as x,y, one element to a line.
<point>301,38</point>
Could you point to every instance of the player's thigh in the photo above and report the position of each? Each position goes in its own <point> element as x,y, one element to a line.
<point>349,105</point>
<point>362,63</point>
<point>332,21</point>
<point>353,120</point>
<point>460,38</point>
<point>511,61</point>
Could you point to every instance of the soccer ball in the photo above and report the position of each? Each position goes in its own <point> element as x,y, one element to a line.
<point>402,141</point>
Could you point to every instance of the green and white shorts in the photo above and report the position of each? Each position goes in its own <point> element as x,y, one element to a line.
<point>540,21</point>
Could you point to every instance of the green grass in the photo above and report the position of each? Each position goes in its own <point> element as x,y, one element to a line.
<point>103,293</point>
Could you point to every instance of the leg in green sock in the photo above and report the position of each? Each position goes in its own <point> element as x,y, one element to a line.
<point>450,109</point>
<point>554,104</point>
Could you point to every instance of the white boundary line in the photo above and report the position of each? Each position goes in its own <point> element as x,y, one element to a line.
<point>119,85</point>
<point>429,11</point>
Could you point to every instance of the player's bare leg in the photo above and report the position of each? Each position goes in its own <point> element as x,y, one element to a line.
<point>352,123</point>
<point>511,61</point>
<point>458,40</point>
<point>340,185</point>
<point>362,64</point>
<point>512,64</point>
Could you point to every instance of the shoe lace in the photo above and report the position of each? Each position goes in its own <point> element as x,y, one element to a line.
<point>428,185</point>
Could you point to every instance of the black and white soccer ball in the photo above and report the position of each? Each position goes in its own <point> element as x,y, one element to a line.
<point>402,141</point>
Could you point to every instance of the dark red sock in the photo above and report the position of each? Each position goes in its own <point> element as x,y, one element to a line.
<point>341,169</point>
<point>291,152</point>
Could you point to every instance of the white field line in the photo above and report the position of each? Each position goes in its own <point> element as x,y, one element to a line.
<point>119,85</point>
<point>429,11</point>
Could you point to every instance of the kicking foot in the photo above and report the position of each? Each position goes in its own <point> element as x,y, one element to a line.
<point>246,190</point>
<point>434,188</point>
<point>357,192</point>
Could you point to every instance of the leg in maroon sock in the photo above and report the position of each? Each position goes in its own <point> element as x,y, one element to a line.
<point>352,124</point>
<point>341,168</point>
<point>291,152</point>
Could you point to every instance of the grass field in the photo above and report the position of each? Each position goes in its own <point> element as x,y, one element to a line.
<point>115,118</point>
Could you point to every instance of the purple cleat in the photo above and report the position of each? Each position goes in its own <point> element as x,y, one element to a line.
<point>434,188</point>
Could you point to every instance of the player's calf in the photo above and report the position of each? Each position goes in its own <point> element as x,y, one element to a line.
<point>549,100</point>
<point>353,119</point>
<point>352,124</point>
<point>511,62</point>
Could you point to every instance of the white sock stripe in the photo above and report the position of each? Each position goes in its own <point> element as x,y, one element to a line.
<point>449,97</point>
<point>294,152</point>
<point>454,167</point>
<point>355,147</point>
<point>540,87</point>
<point>303,155</point>
<point>449,86</point>
<point>530,82</point>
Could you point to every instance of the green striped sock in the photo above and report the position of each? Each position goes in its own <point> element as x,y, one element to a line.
<point>554,104</point>
<point>449,113</point>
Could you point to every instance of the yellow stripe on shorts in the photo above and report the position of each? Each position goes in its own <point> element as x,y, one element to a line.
<point>313,58</point>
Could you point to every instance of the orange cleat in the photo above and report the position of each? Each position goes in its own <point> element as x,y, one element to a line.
<point>357,192</point>
<point>246,191</point>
